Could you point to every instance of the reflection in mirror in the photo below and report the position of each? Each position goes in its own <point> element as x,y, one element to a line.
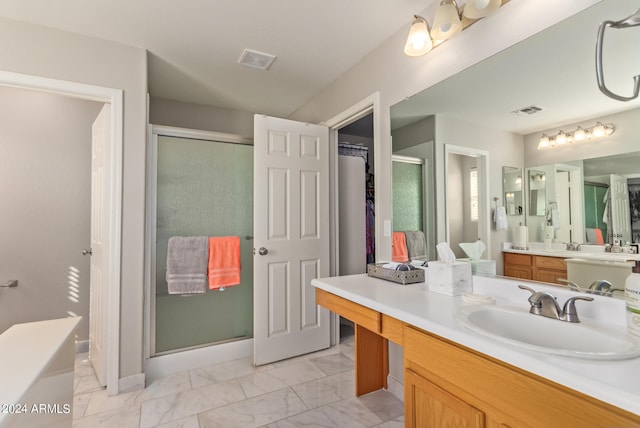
<point>600,208</point>
<point>620,218</point>
<point>537,193</point>
<point>478,107</point>
<point>512,188</point>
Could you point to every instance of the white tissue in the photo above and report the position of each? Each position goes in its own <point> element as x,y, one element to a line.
<point>473,249</point>
<point>445,254</point>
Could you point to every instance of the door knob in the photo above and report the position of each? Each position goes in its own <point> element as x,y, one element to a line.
<point>87,252</point>
<point>263,251</point>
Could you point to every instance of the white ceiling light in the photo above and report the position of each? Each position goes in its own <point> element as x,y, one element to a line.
<point>418,41</point>
<point>476,9</point>
<point>447,22</point>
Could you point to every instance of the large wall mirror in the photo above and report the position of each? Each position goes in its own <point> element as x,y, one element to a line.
<point>512,189</point>
<point>544,82</point>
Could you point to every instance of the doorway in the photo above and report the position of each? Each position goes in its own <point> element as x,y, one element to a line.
<point>359,124</point>
<point>467,207</point>
<point>112,208</point>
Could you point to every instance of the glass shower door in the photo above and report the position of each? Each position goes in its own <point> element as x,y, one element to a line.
<point>204,188</point>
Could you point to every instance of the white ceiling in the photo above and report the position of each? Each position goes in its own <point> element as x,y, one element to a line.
<point>194,45</point>
<point>554,69</point>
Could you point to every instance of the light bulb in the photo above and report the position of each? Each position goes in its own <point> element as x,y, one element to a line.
<point>544,142</point>
<point>598,130</point>
<point>579,134</point>
<point>418,41</point>
<point>447,22</point>
<point>475,9</point>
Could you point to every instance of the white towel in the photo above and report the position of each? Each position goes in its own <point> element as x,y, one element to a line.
<point>555,218</point>
<point>500,218</point>
<point>187,259</point>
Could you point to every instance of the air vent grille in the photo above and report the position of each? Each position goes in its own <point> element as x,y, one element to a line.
<point>527,110</point>
<point>255,59</point>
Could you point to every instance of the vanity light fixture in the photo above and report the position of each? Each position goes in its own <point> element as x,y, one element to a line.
<point>449,21</point>
<point>475,9</point>
<point>579,135</point>
<point>418,42</point>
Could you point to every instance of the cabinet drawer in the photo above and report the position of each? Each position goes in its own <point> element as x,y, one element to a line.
<point>365,317</point>
<point>392,329</point>
<point>550,262</point>
<point>517,259</point>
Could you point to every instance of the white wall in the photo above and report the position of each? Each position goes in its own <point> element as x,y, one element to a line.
<point>45,171</point>
<point>505,149</point>
<point>40,51</point>
<point>396,76</point>
<point>201,117</point>
<point>625,139</point>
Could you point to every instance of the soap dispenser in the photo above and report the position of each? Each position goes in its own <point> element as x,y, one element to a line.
<point>632,298</point>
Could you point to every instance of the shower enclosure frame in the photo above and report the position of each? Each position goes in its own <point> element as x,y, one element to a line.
<point>155,131</point>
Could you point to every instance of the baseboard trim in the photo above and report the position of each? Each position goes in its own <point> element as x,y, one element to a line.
<point>395,387</point>
<point>165,365</point>
<point>82,346</point>
<point>131,383</point>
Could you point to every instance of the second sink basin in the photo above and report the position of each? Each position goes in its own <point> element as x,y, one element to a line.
<point>517,326</point>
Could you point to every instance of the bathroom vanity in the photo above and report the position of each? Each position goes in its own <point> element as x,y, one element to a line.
<point>36,372</point>
<point>535,267</point>
<point>550,265</point>
<point>456,377</point>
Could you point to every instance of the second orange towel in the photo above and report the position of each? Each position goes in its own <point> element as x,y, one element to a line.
<point>224,261</point>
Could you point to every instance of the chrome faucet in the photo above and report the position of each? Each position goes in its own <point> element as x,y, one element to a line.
<point>545,304</point>
<point>573,246</point>
<point>603,287</point>
<point>569,283</point>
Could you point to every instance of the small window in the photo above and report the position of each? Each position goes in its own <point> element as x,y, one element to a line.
<point>473,192</point>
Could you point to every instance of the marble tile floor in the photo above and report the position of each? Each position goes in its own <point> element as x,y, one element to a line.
<point>315,390</point>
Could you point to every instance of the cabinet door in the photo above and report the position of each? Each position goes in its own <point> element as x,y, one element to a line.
<point>550,275</point>
<point>516,271</point>
<point>429,406</point>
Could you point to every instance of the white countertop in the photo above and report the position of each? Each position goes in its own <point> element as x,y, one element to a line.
<point>614,382</point>
<point>25,352</point>
<point>590,252</point>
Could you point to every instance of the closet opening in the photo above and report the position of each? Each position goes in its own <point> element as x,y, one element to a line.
<point>356,202</point>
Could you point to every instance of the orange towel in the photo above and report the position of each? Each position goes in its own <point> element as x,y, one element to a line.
<point>224,261</point>
<point>599,238</point>
<point>399,251</point>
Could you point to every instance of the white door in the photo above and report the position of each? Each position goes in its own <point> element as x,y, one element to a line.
<point>97,315</point>
<point>563,199</point>
<point>620,212</point>
<point>291,237</point>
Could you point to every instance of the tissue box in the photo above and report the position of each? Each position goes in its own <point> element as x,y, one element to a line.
<point>482,266</point>
<point>451,279</point>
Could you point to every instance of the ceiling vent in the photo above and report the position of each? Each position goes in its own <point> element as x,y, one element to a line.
<point>527,110</point>
<point>254,59</point>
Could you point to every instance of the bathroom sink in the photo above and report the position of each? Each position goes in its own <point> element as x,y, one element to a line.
<point>516,326</point>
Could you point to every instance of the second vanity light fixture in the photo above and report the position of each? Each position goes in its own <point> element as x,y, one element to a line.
<point>447,23</point>
<point>579,135</point>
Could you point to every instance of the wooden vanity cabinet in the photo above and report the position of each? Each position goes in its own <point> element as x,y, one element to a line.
<point>518,265</point>
<point>450,385</point>
<point>534,267</point>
